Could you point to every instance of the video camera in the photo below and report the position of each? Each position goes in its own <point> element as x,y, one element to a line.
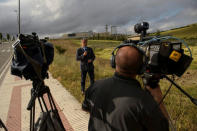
<point>32,57</point>
<point>31,60</point>
<point>164,56</point>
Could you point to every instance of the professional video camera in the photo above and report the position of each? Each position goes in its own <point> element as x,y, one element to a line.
<point>29,49</point>
<point>164,56</point>
<point>31,60</point>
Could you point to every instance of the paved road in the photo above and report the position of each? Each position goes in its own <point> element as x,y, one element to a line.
<point>5,53</point>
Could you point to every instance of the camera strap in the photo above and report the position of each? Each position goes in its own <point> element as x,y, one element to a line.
<point>44,54</point>
<point>34,63</point>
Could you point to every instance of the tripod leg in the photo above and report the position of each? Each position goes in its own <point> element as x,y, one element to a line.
<point>48,112</point>
<point>2,125</point>
<point>40,105</point>
<point>193,100</point>
<point>56,111</point>
<point>32,114</point>
<point>50,101</point>
<point>33,121</point>
<point>32,117</point>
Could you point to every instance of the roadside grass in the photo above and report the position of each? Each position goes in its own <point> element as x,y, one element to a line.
<point>102,48</point>
<point>66,69</point>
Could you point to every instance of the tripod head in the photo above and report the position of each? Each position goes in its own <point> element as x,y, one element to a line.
<point>37,90</point>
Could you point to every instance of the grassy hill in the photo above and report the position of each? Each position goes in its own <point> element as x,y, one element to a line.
<point>186,32</point>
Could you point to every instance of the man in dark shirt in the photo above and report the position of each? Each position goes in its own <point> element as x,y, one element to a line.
<point>86,57</point>
<point>120,104</point>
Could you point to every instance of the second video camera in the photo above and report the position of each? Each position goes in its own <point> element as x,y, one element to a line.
<point>32,57</point>
<point>165,55</point>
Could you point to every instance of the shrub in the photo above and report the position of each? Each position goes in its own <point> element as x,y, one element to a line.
<point>60,50</point>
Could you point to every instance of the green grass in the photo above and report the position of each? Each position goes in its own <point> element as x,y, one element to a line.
<point>102,48</point>
<point>188,33</point>
<point>66,69</point>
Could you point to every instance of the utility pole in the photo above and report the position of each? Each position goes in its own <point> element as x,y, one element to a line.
<point>19,18</point>
<point>16,11</point>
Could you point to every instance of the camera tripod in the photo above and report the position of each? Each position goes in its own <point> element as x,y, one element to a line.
<point>193,100</point>
<point>2,125</point>
<point>50,113</point>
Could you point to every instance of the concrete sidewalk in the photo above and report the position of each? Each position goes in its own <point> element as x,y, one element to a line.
<point>15,95</point>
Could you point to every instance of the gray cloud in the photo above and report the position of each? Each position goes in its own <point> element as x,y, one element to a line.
<point>59,16</point>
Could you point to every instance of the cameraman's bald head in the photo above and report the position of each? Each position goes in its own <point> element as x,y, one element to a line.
<point>128,60</point>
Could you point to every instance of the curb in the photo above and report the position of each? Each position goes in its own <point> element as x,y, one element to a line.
<point>4,69</point>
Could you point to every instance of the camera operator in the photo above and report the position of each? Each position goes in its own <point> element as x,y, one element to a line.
<point>119,102</point>
<point>86,56</point>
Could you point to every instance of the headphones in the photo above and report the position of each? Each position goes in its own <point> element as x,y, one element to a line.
<point>142,67</point>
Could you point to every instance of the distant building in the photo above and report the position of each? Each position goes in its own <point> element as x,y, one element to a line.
<point>114,30</point>
<point>79,35</point>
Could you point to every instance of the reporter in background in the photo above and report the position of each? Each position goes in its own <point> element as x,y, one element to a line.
<point>86,57</point>
<point>119,103</point>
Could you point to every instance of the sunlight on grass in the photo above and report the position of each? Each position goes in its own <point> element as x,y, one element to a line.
<point>188,32</point>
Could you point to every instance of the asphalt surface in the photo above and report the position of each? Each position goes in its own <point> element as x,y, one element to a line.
<point>6,52</point>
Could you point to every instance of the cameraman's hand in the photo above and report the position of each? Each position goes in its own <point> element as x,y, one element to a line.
<point>155,92</point>
<point>85,53</point>
<point>157,95</point>
<point>151,80</point>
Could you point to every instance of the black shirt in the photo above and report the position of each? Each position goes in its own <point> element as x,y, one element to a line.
<point>120,104</point>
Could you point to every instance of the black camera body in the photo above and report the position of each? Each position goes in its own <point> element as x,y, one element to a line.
<point>28,49</point>
<point>167,58</point>
<point>164,57</point>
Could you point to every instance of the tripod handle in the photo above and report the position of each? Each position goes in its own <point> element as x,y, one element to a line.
<point>193,100</point>
<point>31,101</point>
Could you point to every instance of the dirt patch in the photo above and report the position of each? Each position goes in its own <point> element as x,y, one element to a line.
<point>188,78</point>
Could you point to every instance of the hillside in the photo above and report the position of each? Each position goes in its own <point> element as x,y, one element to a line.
<point>186,32</point>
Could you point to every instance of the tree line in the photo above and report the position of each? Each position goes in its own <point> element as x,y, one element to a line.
<point>8,37</point>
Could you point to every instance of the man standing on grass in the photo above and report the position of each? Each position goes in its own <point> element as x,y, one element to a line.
<point>86,57</point>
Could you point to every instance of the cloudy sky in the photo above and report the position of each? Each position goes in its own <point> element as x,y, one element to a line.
<point>64,16</point>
